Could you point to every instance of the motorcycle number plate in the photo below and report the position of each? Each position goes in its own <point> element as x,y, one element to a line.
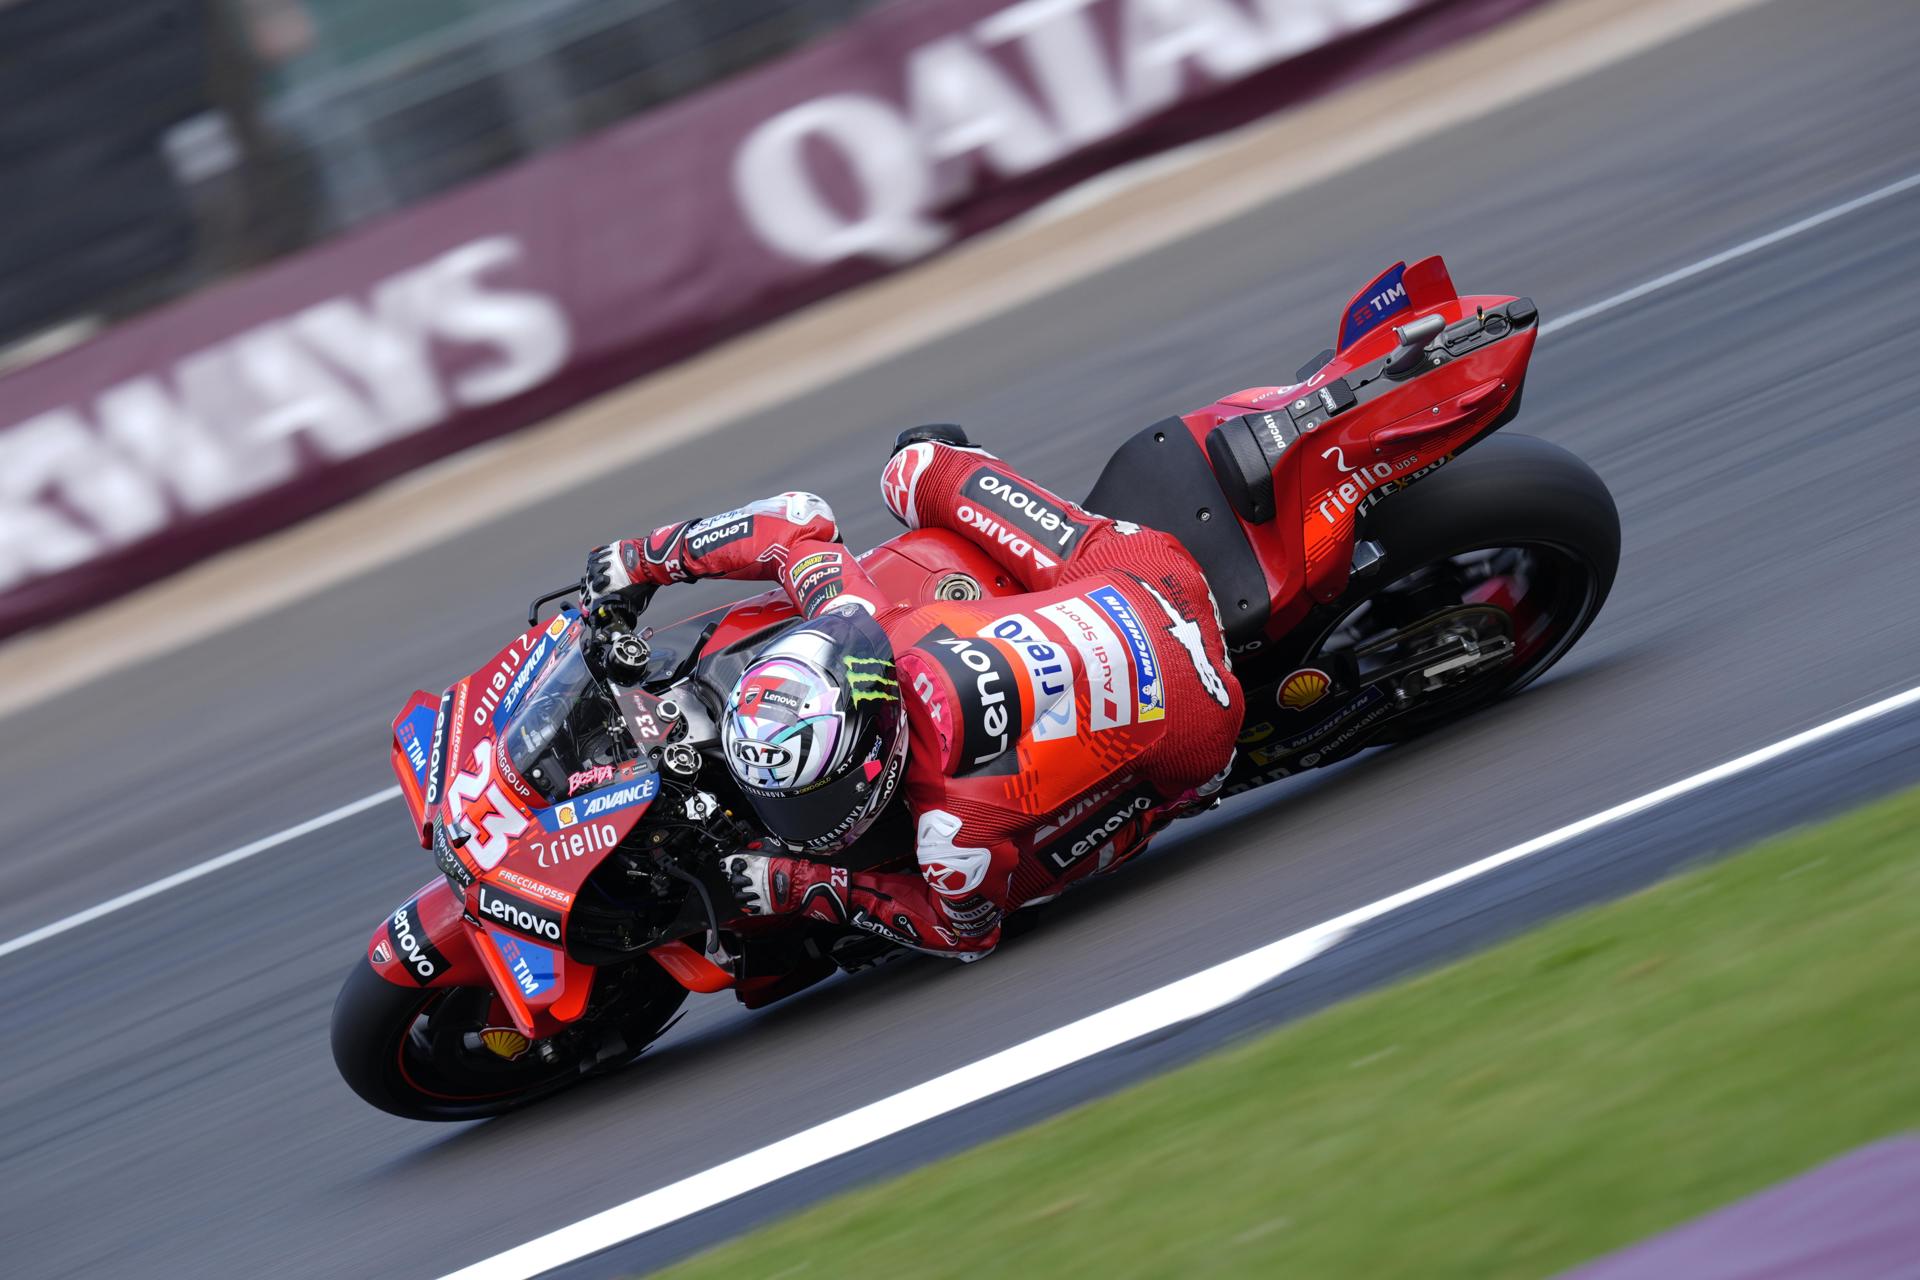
<point>649,724</point>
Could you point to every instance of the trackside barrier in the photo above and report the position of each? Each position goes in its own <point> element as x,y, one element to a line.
<point>268,398</point>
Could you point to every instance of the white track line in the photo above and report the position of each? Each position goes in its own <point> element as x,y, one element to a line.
<point>1720,259</point>
<point>1143,1015</point>
<point>1174,1003</point>
<point>1564,322</point>
<point>194,872</point>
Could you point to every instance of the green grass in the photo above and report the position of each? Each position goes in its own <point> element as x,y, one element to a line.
<point>1581,1087</point>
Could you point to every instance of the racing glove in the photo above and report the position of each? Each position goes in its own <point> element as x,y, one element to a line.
<point>614,570</point>
<point>610,597</point>
<point>774,886</point>
<point>934,432</point>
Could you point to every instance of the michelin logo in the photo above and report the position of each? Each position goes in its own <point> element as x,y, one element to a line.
<point>1149,693</point>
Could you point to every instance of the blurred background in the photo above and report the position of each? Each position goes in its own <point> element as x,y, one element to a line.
<point>166,143</point>
<point>269,253</point>
<point>261,259</point>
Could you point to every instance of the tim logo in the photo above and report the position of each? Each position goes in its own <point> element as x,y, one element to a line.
<point>1383,302</point>
<point>1386,296</point>
<point>1379,304</point>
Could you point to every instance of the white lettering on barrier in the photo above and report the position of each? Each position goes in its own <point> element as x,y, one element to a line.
<point>1159,38</point>
<point>344,376</point>
<point>777,193</point>
<point>910,159</point>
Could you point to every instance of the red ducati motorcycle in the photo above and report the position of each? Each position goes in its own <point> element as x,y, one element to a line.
<point>1383,562</point>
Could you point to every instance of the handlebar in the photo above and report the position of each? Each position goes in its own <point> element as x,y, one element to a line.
<point>571,589</point>
<point>606,611</point>
<point>613,649</point>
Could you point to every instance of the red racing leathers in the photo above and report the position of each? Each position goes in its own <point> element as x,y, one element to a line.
<point>1050,733</point>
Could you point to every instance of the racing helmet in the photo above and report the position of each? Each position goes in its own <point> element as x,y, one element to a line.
<point>813,732</point>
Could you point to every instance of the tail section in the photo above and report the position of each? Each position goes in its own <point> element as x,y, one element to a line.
<point>1394,292</point>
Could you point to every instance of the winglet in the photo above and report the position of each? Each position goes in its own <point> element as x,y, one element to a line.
<point>1428,284</point>
<point>1374,305</point>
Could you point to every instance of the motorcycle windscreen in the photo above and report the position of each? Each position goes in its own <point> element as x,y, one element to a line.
<point>564,734</point>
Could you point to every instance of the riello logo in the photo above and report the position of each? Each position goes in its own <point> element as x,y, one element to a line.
<point>1369,484</point>
<point>1361,481</point>
<point>594,838</point>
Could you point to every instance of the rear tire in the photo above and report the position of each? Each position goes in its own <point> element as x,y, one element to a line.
<point>1509,488</point>
<point>1510,491</point>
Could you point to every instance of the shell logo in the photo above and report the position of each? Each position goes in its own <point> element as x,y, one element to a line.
<point>505,1041</point>
<point>1303,688</point>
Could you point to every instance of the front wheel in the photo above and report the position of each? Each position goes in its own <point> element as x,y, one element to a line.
<point>436,1054</point>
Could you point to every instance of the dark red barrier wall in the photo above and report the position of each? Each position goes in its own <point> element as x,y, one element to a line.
<point>262,401</point>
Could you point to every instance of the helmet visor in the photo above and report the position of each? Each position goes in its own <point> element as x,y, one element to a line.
<point>834,814</point>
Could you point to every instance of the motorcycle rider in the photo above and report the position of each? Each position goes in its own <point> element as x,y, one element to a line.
<point>1039,737</point>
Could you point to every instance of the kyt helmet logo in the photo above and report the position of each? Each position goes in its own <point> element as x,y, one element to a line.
<point>870,679</point>
<point>761,755</point>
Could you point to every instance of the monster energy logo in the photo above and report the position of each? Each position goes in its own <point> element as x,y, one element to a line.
<point>870,679</point>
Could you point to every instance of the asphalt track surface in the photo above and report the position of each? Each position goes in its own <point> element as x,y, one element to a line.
<point>1617,858</point>
<point>170,1104</point>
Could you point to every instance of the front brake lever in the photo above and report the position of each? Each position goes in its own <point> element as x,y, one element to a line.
<point>571,589</point>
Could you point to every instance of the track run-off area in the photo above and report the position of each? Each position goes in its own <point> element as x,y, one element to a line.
<point>1727,342</point>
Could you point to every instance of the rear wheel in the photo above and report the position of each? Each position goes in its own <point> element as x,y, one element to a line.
<point>1490,570</point>
<point>441,1053</point>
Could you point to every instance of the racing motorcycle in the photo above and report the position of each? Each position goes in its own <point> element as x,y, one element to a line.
<point>1382,561</point>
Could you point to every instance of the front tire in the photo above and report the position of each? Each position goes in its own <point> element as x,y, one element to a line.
<point>405,1051</point>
